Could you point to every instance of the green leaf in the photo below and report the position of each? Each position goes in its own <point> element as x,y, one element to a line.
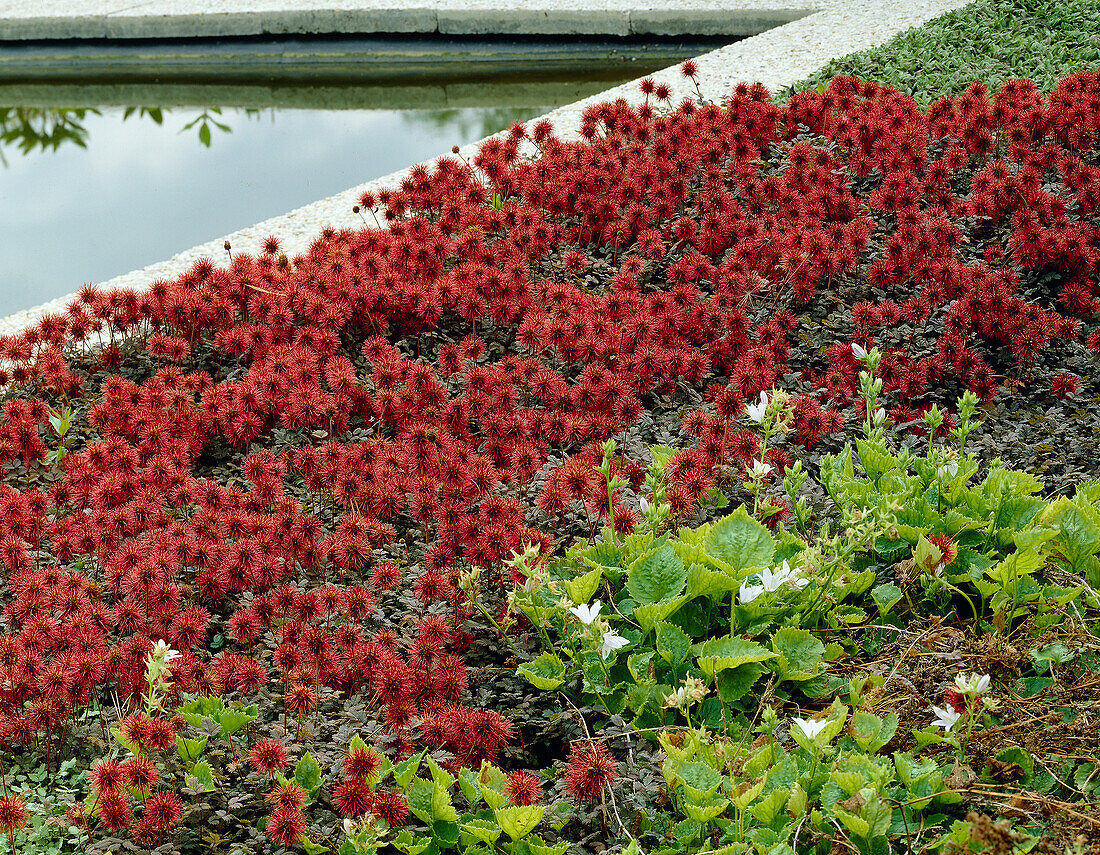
<point>1051,654</point>
<point>190,749</point>
<point>857,825</point>
<point>1015,567</point>
<point>886,596</point>
<point>799,653</point>
<point>707,812</point>
<point>443,809</point>
<point>639,665</point>
<point>656,576</point>
<point>404,771</point>
<point>768,808</point>
<point>446,833</point>
<point>485,831</point>
<point>490,776</point>
<point>581,588</point>
<point>234,718</point>
<point>538,846</point>
<point>404,842</point>
<point>701,780</point>
<point>195,710</point>
<point>733,684</point>
<point>467,780</point>
<point>440,775</point>
<point>673,644</point>
<point>651,614</point>
<point>875,459</point>
<point>870,732</point>
<point>494,798</point>
<point>519,820</point>
<point>1017,755</point>
<point>200,777</point>
<point>721,654</point>
<point>740,541</point>
<point>713,583</point>
<point>420,795</point>
<point>307,774</point>
<point>311,847</point>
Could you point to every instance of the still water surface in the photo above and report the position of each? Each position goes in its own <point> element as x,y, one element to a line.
<point>141,192</point>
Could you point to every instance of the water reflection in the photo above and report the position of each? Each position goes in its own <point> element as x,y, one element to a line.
<point>469,124</point>
<point>135,191</point>
<point>30,129</point>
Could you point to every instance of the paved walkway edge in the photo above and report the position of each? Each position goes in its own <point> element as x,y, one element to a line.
<point>503,21</point>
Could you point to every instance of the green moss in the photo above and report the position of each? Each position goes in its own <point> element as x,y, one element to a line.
<point>990,40</point>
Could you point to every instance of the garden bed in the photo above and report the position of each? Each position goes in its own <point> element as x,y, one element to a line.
<point>315,539</point>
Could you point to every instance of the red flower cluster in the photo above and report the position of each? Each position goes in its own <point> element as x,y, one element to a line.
<point>591,771</point>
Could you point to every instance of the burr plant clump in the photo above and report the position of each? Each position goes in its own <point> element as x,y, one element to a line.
<point>623,493</point>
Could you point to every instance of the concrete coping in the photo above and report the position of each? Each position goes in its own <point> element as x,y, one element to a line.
<point>22,22</point>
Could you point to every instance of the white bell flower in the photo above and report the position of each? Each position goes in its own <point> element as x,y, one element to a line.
<point>756,411</point>
<point>587,614</point>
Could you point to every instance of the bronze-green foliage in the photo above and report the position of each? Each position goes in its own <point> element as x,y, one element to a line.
<point>991,40</point>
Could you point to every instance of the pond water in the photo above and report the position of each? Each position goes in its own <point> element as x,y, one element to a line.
<point>140,192</point>
<point>91,188</point>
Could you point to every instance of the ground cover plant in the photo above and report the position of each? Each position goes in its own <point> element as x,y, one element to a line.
<point>649,471</point>
<point>1042,40</point>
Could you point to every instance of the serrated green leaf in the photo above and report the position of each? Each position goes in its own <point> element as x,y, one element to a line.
<point>580,589</point>
<point>200,777</point>
<point>799,653</point>
<point>420,795</point>
<point>740,541</point>
<point>519,820</point>
<point>234,718</point>
<point>657,576</point>
<point>483,830</point>
<point>768,808</point>
<point>307,774</point>
<point>876,460</point>
<point>702,778</point>
<point>446,833</point>
<point>721,654</point>
<point>404,771</point>
<point>734,683</point>
<point>886,596</point>
<point>707,812</point>
<point>712,583</point>
<point>856,825</point>
<point>311,847</point>
<point>651,614</point>
<point>440,776</point>
<point>673,644</point>
<point>196,709</point>
<point>190,749</point>
<point>467,780</point>
<point>539,847</point>
<point>638,664</point>
<point>870,732</point>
